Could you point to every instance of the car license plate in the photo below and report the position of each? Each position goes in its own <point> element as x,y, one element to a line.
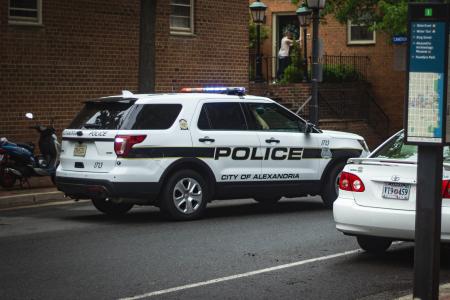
<point>79,150</point>
<point>399,191</point>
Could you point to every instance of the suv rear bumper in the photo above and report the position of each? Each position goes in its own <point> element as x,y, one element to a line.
<point>81,188</point>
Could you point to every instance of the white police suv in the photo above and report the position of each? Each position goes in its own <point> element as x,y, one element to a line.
<point>181,151</point>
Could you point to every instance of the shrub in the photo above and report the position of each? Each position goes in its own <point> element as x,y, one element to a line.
<point>340,73</point>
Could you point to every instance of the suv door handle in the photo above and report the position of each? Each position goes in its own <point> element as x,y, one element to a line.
<point>206,139</point>
<point>272,140</point>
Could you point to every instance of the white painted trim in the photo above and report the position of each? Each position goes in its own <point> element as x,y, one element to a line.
<point>182,30</point>
<point>24,20</point>
<point>360,42</point>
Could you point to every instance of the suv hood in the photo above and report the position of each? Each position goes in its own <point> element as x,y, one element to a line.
<point>342,135</point>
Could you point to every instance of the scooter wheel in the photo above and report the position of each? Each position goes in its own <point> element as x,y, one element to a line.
<point>7,180</point>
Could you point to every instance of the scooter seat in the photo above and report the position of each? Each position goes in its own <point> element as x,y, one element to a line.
<point>28,146</point>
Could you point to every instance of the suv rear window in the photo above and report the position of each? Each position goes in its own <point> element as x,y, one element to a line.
<point>101,115</point>
<point>117,115</point>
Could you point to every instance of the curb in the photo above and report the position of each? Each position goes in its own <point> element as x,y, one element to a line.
<point>11,201</point>
<point>444,293</point>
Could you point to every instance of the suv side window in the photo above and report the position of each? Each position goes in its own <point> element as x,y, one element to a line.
<point>222,116</point>
<point>272,117</point>
<point>153,116</point>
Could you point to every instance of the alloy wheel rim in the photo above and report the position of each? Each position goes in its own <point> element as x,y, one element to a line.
<point>187,195</point>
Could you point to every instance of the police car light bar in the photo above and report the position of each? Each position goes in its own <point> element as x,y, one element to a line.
<point>215,90</point>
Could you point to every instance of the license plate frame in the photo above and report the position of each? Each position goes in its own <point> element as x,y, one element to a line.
<point>396,191</point>
<point>80,150</point>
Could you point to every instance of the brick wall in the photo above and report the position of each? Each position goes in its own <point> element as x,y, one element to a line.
<point>290,95</point>
<point>388,84</point>
<point>216,54</point>
<point>86,49</point>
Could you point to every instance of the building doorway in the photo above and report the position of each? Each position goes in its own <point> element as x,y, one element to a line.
<point>282,22</point>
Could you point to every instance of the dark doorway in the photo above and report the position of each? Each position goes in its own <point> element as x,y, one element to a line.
<point>286,23</point>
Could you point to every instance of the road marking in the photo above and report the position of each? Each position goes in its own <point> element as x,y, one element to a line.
<point>232,277</point>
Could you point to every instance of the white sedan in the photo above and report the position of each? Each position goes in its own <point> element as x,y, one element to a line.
<point>377,196</point>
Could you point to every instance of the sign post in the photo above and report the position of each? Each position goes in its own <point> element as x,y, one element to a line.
<point>426,126</point>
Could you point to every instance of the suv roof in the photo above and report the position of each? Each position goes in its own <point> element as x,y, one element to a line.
<point>148,98</point>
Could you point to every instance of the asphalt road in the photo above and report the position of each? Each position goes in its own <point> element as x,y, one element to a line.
<point>74,252</point>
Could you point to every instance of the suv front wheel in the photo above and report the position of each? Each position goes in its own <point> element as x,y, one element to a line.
<point>184,196</point>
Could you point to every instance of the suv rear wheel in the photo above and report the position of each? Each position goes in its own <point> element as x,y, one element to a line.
<point>184,196</point>
<point>331,186</point>
<point>111,208</point>
<point>373,244</point>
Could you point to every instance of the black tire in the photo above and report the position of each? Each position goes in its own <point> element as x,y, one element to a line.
<point>8,180</point>
<point>267,200</point>
<point>110,208</point>
<point>373,244</point>
<point>193,193</point>
<point>330,193</point>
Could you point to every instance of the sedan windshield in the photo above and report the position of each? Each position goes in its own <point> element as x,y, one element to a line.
<point>397,149</point>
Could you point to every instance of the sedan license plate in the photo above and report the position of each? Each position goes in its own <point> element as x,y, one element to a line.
<point>79,150</point>
<point>399,191</point>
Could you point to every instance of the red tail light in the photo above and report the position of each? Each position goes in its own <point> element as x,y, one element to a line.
<point>351,182</point>
<point>124,143</point>
<point>445,188</point>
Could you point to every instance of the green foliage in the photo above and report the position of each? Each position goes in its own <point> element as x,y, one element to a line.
<point>340,73</point>
<point>293,73</point>
<point>389,16</point>
<point>252,34</point>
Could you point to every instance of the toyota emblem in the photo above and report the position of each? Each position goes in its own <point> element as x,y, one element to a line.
<point>395,178</point>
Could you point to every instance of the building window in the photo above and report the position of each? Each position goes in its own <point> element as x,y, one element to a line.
<point>359,34</point>
<point>25,12</point>
<point>182,16</point>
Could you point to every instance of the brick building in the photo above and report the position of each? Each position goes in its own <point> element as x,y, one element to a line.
<point>386,62</point>
<point>55,54</point>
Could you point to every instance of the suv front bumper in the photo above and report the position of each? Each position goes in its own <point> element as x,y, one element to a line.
<point>82,188</point>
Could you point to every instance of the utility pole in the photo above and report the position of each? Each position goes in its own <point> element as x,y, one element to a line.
<point>147,38</point>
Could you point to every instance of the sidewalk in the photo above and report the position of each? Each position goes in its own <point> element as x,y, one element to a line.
<point>41,190</point>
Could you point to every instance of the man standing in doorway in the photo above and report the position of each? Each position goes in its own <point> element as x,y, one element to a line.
<point>283,55</point>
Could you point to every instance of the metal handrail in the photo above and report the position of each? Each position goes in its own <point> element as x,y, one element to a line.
<point>337,62</point>
<point>303,105</point>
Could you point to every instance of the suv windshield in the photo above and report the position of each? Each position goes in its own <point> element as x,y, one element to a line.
<point>397,149</point>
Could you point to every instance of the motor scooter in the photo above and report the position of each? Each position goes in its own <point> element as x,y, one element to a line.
<point>18,161</point>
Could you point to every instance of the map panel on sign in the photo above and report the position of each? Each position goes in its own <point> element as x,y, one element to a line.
<point>424,104</point>
<point>426,88</point>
